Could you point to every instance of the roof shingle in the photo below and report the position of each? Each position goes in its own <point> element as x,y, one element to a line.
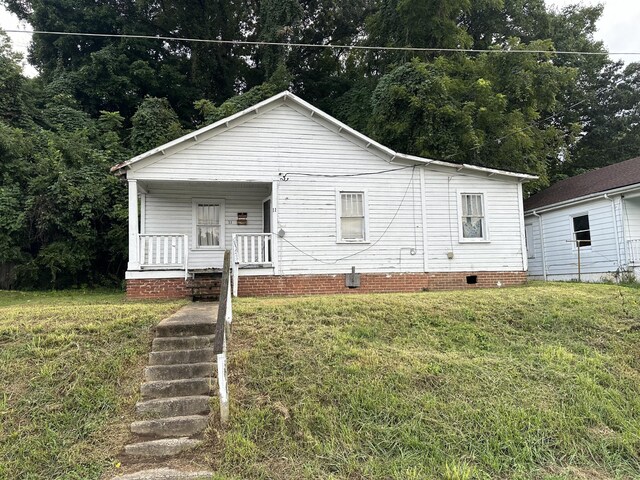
<point>601,180</point>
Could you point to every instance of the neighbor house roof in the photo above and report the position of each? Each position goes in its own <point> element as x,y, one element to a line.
<point>290,98</point>
<point>602,180</point>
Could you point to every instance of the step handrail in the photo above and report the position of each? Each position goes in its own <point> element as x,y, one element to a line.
<point>223,330</point>
<point>219,341</point>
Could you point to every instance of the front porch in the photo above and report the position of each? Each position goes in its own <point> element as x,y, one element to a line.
<point>181,229</point>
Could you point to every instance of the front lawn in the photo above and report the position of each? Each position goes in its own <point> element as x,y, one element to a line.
<point>540,382</point>
<point>70,368</point>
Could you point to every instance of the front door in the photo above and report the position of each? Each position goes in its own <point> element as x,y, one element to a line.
<point>266,215</point>
<point>266,226</point>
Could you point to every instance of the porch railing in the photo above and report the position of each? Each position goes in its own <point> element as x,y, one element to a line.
<point>164,251</point>
<point>633,251</point>
<point>253,248</point>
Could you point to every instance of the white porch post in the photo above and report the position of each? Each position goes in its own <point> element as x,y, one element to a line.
<point>274,228</point>
<point>134,260</point>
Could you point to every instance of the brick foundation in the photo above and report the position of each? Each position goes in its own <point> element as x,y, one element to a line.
<point>258,286</point>
<point>158,288</point>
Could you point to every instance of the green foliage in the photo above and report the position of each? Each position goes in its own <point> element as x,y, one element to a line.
<point>61,219</point>
<point>153,124</point>
<point>99,101</point>
<point>481,111</point>
<point>278,82</point>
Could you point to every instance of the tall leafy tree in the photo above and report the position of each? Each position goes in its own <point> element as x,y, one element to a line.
<point>484,111</point>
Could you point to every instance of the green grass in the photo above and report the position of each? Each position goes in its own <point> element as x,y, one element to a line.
<point>70,367</point>
<point>541,382</point>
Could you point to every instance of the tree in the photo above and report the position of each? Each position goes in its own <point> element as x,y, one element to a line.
<point>154,123</point>
<point>484,111</point>
<point>611,131</point>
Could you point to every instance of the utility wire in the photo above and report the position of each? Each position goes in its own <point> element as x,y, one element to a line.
<point>285,176</point>
<point>404,196</point>
<point>314,45</point>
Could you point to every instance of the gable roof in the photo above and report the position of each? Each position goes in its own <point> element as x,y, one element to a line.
<point>601,180</point>
<point>289,98</point>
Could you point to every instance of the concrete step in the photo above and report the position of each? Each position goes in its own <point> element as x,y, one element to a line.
<point>166,474</point>
<point>177,388</point>
<point>185,329</point>
<point>167,447</point>
<point>185,426</point>
<point>162,344</point>
<point>175,357</point>
<point>177,372</point>
<point>174,406</point>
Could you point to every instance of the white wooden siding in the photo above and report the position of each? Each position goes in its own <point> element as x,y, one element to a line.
<point>561,256</point>
<point>284,140</point>
<point>307,214</point>
<point>503,252</point>
<point>631,215</point>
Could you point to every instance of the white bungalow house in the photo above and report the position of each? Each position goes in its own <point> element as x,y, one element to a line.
<point>587,226</point>
<point>302,200</point>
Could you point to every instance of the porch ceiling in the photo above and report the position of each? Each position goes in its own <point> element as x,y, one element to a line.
<point>150,185</point>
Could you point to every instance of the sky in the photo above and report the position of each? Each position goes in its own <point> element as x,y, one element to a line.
<point>616,28</point>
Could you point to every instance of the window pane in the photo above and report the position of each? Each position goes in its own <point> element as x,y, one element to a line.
<point>580,223</point>
<point>583,238</point>
<point>352,228</point>
<point>472,227</point>
<point>208,236</point>
<point>208,214</point>
<point>352,204</point>
<point>472,205</point>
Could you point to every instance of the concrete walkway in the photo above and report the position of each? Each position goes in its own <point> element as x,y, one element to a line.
<point>176,394</point>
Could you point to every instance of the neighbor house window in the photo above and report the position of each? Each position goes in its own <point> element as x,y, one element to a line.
<point>352,222</point>
<point>581,231</point>
<point>208,229</point>
<point>473,219</point>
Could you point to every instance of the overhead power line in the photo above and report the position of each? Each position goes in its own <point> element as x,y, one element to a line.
<point>313,45</point>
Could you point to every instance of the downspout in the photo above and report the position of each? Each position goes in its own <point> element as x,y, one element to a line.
<point>544,258</point>
<point>615,228</point>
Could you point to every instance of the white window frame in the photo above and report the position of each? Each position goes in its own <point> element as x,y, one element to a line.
<point>365,207</point>
<point>485,225</point>
<point>574,244</point>
<point>194,223</point>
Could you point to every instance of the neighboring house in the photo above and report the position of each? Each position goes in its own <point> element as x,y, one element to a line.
<point>301,199</point>
<point>594,216</point>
